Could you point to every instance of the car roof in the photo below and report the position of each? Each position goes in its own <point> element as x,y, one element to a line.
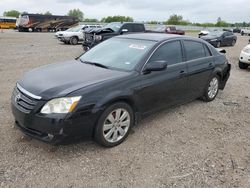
<point>157,37</point>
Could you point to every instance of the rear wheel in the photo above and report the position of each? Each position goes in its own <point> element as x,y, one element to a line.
<point>242,33</point>
<point>74,40</point>
<point>243,65</point>
<point>114,124</point>
<point>212,88</point>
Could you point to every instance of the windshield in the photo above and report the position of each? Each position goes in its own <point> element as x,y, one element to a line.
<point>215,34</point>
<point>114,26</point>
<point>75,29</point>
<point>118,53</point>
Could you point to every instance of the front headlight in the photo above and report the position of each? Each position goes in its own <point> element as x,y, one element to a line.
<point>60,105</point>
<point>213,40</point>
<point>98,37</point>
<point>246,50</point>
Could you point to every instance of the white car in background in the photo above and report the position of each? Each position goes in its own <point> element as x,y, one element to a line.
<point>245,31</point>
<point>244,60</point>
<point>74,34</point>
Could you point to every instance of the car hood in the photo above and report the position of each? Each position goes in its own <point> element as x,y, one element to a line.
<point>69,33</point>
<point>98,30</point>
<point>57,80</point>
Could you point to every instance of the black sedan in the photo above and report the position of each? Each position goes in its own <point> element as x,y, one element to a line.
<point>220,38</point>
<point>103,93</point>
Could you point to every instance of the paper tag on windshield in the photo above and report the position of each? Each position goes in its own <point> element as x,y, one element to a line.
<point>139,47</point>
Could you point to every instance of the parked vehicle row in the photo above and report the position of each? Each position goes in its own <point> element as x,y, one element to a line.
<point>74,34</point>
<point>116,83</point>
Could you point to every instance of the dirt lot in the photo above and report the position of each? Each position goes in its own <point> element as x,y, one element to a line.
<point>195,145</point>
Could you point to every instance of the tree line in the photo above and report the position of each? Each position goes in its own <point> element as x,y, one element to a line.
<point>174,19</point>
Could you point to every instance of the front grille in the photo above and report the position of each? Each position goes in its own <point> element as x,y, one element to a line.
<point>23,102</point>
<point>88,37</point>
<point>60,35</point>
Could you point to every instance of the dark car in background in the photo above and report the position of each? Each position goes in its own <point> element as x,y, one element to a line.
<point>116,83</point>
<point>220,38</point>
<point>93,37</point>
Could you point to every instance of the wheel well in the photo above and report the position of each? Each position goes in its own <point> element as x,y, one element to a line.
<point>75,37</point>
<point>125,100</point>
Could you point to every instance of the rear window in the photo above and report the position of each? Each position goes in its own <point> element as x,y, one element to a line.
<point>194,50</point>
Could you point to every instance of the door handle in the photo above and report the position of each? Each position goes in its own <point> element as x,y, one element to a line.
<point>210,65</point>
<point>182,73</point>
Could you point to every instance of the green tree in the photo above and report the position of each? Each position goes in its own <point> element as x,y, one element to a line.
<point>117,19</point>
<point>12,13</point>
<point>76,13</point>
<point>221,23</point>
<point>175,20</point>
<point>47,13</point>
<point>91,20</point>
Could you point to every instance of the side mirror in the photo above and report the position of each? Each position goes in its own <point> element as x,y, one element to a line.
<point>124,31</point>
<point>155,66</point>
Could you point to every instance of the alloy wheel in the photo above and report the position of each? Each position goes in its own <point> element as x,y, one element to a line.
<point>213,88</point>
<point>116,125</point>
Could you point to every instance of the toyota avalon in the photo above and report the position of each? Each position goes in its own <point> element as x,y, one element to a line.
<point>104,92</point>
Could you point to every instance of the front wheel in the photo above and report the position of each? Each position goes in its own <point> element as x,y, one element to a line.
<point>233,43</point>
<point>74,41</point>
<point>218,44</point>
<point>114,124</point>
<point>243,65</point>
<point>212,89</point>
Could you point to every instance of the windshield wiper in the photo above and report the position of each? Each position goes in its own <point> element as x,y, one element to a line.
<point>95,64</point>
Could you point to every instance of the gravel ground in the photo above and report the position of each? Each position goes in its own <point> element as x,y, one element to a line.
<point>194,145</point>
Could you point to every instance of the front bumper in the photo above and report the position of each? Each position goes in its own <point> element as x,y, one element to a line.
<point>214,43</point>
<point>54,128</point>
<point>64,39</point>
<point>244,57</point>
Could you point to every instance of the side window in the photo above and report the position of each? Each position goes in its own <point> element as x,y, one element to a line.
<point>194,50</point>
<point>138,28</point>
<point>170,52</point>
<point>207,51</point>
<point>128,27</point>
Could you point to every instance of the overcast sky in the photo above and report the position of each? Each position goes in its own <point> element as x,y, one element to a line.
<point>140,10</point>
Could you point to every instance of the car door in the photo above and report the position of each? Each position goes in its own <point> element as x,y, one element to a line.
<point>159,89</point>
<point>200,63</point>
<point>227,38</point>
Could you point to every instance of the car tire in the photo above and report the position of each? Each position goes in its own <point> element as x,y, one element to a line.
<point>243,65</point>
<point>212,88</point>
<point>111,130</point>
<point>242,33</point>
<point>218,45</point>
<point>233,43</point>
<point>74,40</point>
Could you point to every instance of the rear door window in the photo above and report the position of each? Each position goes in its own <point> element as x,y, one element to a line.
<point>194,50</point>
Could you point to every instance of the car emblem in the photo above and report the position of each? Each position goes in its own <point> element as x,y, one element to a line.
<point>17,97</point>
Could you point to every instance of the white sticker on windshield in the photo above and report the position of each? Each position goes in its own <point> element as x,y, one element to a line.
<point>138,47</point>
